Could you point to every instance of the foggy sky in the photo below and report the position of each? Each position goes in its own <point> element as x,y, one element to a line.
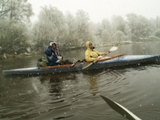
<point>99,9</point>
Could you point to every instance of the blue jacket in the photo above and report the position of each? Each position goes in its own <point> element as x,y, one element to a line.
<point>51,56</point>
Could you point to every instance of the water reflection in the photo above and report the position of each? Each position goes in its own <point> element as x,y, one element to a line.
<point>69,96</point>
<point>93,85</point>
<point>76,95</point>
<point>55,82</point>
<point>69,93</point>
<point>92,78</point>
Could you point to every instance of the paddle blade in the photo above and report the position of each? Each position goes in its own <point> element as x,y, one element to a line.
<point>120,109</point>
<point>113,48</point>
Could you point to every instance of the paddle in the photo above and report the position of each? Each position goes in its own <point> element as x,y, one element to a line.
<point>121,109</point>
<point>74,63</point>
<point>88,65</point>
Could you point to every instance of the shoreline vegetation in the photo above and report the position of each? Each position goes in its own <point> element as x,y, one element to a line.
<point>11,56</point>
<point>21,37</point>
<point>33,53</point>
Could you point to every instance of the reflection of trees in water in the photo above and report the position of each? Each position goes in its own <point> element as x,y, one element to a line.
<point>71,84</point>
<point>148,47</point>
<point>55,86</point>
<point>10,63</point>
<point>138,48</point>
<point>55,82</point>
<point>72,54</point>
<point>93,85</point>
<point>93,81</point>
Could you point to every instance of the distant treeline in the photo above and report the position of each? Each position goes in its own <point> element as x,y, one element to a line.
<point>19,35</point>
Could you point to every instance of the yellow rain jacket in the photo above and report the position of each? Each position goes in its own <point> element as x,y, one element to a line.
<point>92,54</point>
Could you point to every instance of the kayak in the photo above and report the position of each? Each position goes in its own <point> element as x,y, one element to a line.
<point>116,61</point>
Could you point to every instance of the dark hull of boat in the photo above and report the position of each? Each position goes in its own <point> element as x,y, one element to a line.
<point>121,61</point>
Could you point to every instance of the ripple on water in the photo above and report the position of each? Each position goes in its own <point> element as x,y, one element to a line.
<point>77,96</point>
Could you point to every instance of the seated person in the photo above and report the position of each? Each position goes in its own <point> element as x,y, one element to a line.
<point>91,54</point>
<point>53,56</point>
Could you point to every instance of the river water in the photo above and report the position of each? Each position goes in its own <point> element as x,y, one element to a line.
<point>76,96</point>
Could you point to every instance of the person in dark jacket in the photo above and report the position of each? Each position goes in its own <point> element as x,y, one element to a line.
<point>52,54</point>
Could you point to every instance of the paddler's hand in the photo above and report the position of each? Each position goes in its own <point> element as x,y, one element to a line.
<point>105,54</point>
<point>99,57</point>
<point>59,58</point>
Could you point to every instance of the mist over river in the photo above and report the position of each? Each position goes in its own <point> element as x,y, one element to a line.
<point>76,96</point>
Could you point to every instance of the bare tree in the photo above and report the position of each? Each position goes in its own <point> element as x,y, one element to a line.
<point>139,26</point>
<point>50,26</point>
<point>3,9</point>
<point>13,30</point>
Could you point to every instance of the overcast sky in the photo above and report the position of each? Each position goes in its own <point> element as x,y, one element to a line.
<point>99,9</point>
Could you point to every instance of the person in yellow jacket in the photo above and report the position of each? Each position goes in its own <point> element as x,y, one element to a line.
<point>91,54</point>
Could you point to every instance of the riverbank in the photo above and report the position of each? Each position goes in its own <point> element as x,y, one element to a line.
<point>7,56</point>
<point>104,44</point>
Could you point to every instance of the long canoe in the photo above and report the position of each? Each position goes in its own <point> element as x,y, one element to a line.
<point>108,62</point>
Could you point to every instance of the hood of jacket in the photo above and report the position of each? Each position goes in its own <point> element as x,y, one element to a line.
<point>87,45</point>
<point>52,42</point>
